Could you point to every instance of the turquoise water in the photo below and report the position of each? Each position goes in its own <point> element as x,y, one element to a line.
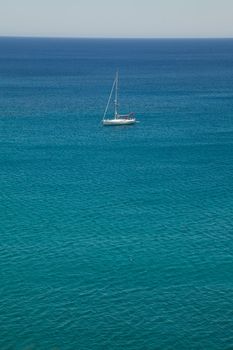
<point>116,238</point>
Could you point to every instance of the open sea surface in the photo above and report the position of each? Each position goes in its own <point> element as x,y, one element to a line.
<point>116,237</point>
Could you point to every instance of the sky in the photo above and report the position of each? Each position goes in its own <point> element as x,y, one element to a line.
<point>117,18</point>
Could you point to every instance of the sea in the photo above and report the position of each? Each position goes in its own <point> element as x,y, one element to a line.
<point>116,237</point>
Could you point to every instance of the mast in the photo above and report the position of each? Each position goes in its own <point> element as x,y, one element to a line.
<point>116,95</point>
<point>109,99</point>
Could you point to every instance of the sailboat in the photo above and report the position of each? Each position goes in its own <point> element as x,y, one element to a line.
<point>118,119</point>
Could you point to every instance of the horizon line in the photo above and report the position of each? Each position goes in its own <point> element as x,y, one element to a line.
<point>118,37</point>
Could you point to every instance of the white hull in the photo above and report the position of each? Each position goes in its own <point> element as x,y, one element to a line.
<point>119,121</point>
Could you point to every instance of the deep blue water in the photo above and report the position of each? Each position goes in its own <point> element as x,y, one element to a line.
<point>116,237</point>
